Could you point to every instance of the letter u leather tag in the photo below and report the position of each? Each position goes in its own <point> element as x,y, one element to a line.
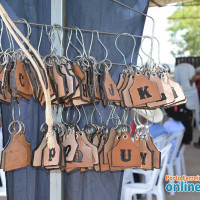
<point>165,90</point>
<point>110,88</point>
<point>126,153</point>
<point>52,157</point>
<point>146,155</point>
<point>143,90</point>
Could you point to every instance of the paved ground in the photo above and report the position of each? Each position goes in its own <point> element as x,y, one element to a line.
<point>192,161</point>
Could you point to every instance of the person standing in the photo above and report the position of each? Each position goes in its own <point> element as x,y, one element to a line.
<point>184,74</point>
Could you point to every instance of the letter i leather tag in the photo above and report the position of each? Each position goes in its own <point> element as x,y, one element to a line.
<point>143,90</point>
<point>52,157</point>
<point>156,153</point>
<point>146,155</point>
<point>110,89</point>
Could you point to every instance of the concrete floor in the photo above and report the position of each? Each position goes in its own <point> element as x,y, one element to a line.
<point>192,162</point>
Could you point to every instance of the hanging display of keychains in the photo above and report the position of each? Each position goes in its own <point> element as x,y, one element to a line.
<point>73,83</point>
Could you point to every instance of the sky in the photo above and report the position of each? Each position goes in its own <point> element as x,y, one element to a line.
<point>160,15</point>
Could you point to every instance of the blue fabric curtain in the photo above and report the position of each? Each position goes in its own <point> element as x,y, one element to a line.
<point>33,184</point>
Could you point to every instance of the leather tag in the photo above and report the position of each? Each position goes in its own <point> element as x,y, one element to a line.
<point>143,90</point>
<point>37,157</point>
<point>165,92</point>
<point>5,94</point>
<point>70,145</point>
<point>52,157</point>
<point>125,153</point>
<point>110,89</point>
<point>60,81</point>
<point>146,155</point>
<point>180,96</point>
<point>21,79</point>
<point>18,153</point>
<point>156,153</point>
<point>93,148</point>
<point>78,72</point>
<point>83,156</point>
<point>126,97</point>
<point>104,164</point>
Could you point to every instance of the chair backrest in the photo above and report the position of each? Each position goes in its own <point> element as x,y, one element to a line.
<point>158,174</point>
<point>176,140</point>
<point>161,141</point>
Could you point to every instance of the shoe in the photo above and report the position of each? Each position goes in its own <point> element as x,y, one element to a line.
<point>196,145</point>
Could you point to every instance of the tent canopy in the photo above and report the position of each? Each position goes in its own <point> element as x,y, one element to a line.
<point>165,2</point>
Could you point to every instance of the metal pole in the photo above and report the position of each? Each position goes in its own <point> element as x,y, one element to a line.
<point>58,16</point>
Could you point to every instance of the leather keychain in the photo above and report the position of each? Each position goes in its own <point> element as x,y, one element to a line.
<point>143,90</point>
<point>22,82</point>
<point>5,94</point>
<point>51,157</point>
<point>103,157</point>
<point>126,153</point>
<point>126,97</point>
<point>156,153</point>
<point>37,155</point>
<point>83,156</point>
<point>31,75</point>
<point>165,90</point>
<point>109,88</point>
<point>70,144</point>
<point>146,155</point>
<point>180,96</point>
<point>18,152</point>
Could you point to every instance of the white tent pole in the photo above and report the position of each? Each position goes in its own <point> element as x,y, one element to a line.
<point>58,14</point>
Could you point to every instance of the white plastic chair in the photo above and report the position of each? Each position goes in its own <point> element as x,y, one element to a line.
<point>175,139</point>
<point>161,141</point>
<point>3,181</point>
<point>180,162</point>
<point>154,185</point>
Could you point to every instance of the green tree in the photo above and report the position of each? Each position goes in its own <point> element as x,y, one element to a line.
<point>185,31</point>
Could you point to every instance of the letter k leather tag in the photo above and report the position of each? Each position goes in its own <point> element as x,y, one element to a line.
<point>143,90</point>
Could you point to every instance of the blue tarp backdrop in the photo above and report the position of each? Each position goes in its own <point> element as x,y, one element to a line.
<point>33,184</point>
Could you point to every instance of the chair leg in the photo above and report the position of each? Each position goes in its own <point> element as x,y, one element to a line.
<point>170,170</point>
<point>183,165</point>
<point>178,166</point>
<point>149,196</point>
<point>160,194</point>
